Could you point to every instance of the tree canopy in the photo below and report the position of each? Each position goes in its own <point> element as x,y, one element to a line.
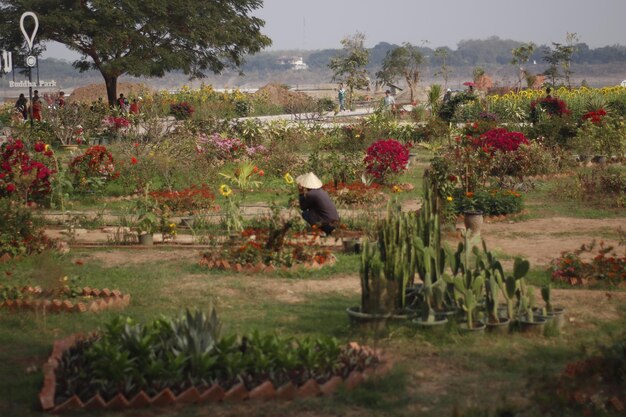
<point>402,62</point>
<point>143,37</point>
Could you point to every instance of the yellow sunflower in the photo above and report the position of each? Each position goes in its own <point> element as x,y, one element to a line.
<point>288,178</point>
<point>225,190</point>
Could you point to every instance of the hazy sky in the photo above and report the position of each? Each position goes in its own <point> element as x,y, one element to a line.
<point>320,24</point>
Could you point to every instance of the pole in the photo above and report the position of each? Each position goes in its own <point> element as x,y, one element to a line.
<point>30,96</point>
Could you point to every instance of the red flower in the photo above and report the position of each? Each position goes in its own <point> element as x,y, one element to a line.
<point>39,146</point>
<point>11,188</point>
<point>133,160</point>
<point>261,173</point>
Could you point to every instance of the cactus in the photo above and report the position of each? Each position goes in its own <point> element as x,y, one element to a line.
<point>545,294</point>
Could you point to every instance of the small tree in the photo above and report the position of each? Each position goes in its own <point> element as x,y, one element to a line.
<point>349,67</point>
<point>561,56</point>
<point>404,61</point>
<point>444,70</point>
<point>521,55</point>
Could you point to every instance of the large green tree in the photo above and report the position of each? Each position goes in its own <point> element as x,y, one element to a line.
<point>349,66</point>
<point>143,37</point>
<point>404,61</point>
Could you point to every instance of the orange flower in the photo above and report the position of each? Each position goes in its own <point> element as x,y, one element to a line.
<point>469,194</point>
<point>261,173</point>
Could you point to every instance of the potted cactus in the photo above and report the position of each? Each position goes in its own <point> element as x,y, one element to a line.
<point>549,312</point>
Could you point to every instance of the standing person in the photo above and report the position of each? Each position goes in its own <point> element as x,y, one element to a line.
<point>61,99</point>
<point>342,97</point>
<point>21,105</point>
<point>134,107</point>
<point>36,106</point>
<point>389,103</point>
<point>122,103</point>
<point>315,203</point>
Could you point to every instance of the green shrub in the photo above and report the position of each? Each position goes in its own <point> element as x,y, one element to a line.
<point>489,202</point>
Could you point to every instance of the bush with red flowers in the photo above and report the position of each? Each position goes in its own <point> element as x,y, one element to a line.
<point>187,200</point>
<point>551,105</point>
<point>595,116</point>
<point>25,175</point>
<point>182,110</point>
<point>92,169</point>
<point>500,139</point>
<point>355,193</point>
<point>386,158</point>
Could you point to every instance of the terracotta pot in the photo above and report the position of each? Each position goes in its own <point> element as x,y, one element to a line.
<point>473,221</point>
<point>146,239</point>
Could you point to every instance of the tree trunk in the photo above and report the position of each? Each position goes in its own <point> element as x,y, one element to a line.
<point>111,85</point>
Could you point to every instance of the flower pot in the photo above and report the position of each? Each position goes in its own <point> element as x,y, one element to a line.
<point>374,322</point>
<point>500,327</point>
<point>412,158</point>
<point>146,239</point>
<point>532,327</point>
<point>477,327</point>
<point>473,221</point>
<point>438,323</point>
<point>68,148</point>
<point>556,316</point>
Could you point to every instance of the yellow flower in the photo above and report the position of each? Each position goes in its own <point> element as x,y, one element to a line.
<point>46,148</point>
<point>288,178</point>
<point>225,190</point>
<point>396,189</point>
<point>65,278</point>
<point>172,226</point>
<point>449,198</point>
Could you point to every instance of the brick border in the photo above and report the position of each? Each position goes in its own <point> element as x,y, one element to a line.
<point>265,391</point>
<point>103,299</point>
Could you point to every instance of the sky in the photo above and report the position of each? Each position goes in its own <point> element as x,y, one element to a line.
<point>322,24</point>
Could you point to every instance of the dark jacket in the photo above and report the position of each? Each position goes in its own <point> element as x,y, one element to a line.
<point>319,201</point>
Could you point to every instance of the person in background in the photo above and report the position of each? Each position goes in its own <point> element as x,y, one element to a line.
<point>315,203</point>
<point>21,105</point>
<point>36,107</point>
<point>134,107</point>
<point>342,97</point>
<point>389,103</point>
<point>61,99</point>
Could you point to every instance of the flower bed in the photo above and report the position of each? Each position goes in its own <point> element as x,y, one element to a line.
<point>36,299</point>
<point>605,268</point>
<point>79,373</point>
<point>355,193</point>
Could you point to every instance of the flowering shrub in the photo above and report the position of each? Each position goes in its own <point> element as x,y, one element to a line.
<point>489,202</point>
<point>606,267</point>
<point>187,200</point>
<point>92,169</point>
<point>23,174</point>
<point>551,105</point>
<point>355,193</point>
<point>502,140</point>
<point>182,110</point>
<point>385,158</point>
<point>19,233</point>
<point>594,116</point>
<point>227,149</point>
<point>116,123</point>
<point>594,385</point>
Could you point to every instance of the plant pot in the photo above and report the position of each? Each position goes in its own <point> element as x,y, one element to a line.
<point>478,327</point>
<point>68,148</point>
<point>146,239</point>
<point>352,245</point>
<point>438,323</point>
<point>557,316</point>
<point>374,322</point>
<point>501,327</point>
<point>473,221</point>
<point>412,158</point>
<point>532,327</point>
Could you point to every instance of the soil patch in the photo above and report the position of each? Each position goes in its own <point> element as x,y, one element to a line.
<point>115,258</point>
<point>279,95</point>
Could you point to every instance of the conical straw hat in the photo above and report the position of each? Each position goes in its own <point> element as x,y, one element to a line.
<point>309,181</point>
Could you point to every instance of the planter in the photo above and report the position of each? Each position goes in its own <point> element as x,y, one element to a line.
<point>478,327</point>
<point>146,239</point>
<point>370,321</point>
<point>532,327</point>
<point>501,327</point>
<point>68,148</point>
<point>556,316</point>
<point>412,158</point>
<point>438,323</point>
<point>352,245</point>
<point>473,221</point>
